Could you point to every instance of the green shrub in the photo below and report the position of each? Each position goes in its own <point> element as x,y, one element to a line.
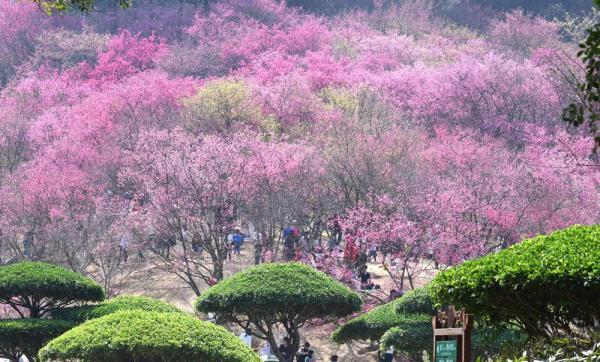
<point>286,293</point>
<point>219,106</point>
<point>147,337</point>
<point>40,287</point>
<point>544,284</point>
<point>417,301</point>
<point>271,289</point>
<point>372,325</point>
<point>122,303</point>
<point>411,337</point>
<point>497,342</point>
<point>26,336</point>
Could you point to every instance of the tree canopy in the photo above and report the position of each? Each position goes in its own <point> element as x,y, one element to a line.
<point>274,290</point>
<point>27,335</point>
<point>147,336</point>
<point>544,284</point>
<point>40,287</point>
<point>118,304</point>
<point>286,293</point>
<point>411,309</point>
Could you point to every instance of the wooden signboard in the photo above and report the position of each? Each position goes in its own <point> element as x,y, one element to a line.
<point>452,336</point>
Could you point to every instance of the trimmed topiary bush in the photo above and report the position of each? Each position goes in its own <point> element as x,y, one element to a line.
<point>286,293</point>
<point>411,337</point>
<point>147,337</point>
<point>40,287</point>
<point>369,326</point>
<point>372,325</point>
<point>417,301</point>
<point>26,336</point>
<point>122,303</point>
<point>543,285</point>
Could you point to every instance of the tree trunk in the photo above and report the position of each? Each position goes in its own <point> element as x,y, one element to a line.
<point>218,269</point>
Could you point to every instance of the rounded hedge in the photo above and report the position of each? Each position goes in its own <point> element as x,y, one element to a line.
<point>412,336</point>
<point>26,336</point>
<point>543,284</point>
<point>147,337</point>
<point>416,301</point>
<point>122,303</point>
<point>269,289</point>
<point>42,280</point>
<point>373,324</point>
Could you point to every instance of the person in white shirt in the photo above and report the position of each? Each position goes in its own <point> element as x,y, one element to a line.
<point>124,246</point>
<point>246,337</point>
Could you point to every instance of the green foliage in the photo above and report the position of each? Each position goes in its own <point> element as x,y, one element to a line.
<point>122,303</point>
<point>40,287</point>
<point>497,342</point>
<point>271,290</point>
<point>51,6</point>
<point>412,337</point>
<point>586,110</point>
<point>417,301</point>
<point>566,349</point>
<point>400,312</point>
<point>26,336</point>
<point>542,284</point>
<point>147,336</point>
<point>369,326</point>
<point>219,106</point>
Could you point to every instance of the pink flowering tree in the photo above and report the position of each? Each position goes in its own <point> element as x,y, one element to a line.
<point>20,24</point>
<point>193,192</point>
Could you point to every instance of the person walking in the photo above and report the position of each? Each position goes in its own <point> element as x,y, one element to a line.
<point>238,239</point>
<point>258,249</point>
<point>124,246</point>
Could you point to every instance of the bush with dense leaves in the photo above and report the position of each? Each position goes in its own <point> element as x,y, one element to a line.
<point>147,336</point>
<point>544,284</point>
<point>412,336</point>
<point>271,289</point>
<point>40,287</point>
<point>122,303</point>
<point>26,336</point>
<point>400,312</point>
<point>281,293</point>
<point>417,301</point>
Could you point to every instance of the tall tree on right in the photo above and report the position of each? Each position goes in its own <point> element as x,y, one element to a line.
<point>585,111</point>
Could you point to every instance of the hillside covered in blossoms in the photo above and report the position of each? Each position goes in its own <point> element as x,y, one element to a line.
<point>426,129</point>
